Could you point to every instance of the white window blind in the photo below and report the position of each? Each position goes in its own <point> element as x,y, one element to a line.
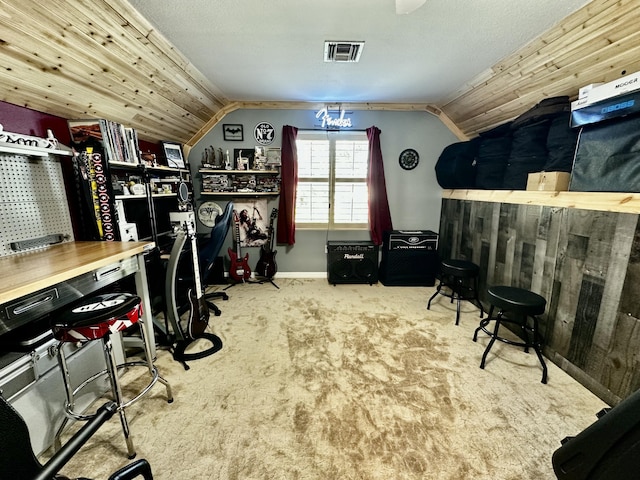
<point>332,180</point>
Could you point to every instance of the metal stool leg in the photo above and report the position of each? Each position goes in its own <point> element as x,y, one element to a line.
<point>112,369</point>
<point>457,292</point>
<point>483,323</point>
<point>525,333</point>
<point>493,339</point>
<point>149,359</point>
<point>537,339</point>
<point>64,369</point>
<point>434,295</point>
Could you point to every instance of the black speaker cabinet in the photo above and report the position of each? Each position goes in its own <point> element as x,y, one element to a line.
<point>352,262</point>
<point>409,258</point>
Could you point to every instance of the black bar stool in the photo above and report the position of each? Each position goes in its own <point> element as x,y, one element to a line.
<point>96,318</point>
<point>461,278</point>
<point>523,304</point>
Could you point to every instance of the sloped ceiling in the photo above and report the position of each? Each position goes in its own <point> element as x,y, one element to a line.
<point>103,58</point>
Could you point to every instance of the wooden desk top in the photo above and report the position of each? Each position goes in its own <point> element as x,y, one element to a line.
<point>29,272</point>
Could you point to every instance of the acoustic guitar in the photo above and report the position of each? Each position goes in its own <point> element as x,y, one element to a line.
<point>266,265</point>
<point>198,309</point>
<point>239,269</point>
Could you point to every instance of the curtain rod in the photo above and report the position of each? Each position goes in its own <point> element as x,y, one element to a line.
<point>331,130</point>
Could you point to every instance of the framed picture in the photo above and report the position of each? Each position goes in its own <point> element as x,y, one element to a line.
<point>83,130</point>
<point>173,153</point>
<point>233,132</point>
<point>273,155</point>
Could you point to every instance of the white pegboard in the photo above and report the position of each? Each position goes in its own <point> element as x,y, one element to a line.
<point>33,201</point>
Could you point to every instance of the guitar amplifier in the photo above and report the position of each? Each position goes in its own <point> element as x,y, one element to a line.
<point>409,258</point>
<point>352,262</point>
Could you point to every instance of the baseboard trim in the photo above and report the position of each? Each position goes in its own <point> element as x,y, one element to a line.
<point>301,275</point>
<point>290,275</point>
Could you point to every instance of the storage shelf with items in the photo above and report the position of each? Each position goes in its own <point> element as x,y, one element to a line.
<point>240,182</point>
<point>145,196</point>
<point>250,172</point>
<point>133,190</point>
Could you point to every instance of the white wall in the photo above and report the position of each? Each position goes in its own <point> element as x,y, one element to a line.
<point>414,195</point>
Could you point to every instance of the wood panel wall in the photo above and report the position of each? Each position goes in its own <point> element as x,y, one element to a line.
<point>585,263</point>
<point>100,58</point>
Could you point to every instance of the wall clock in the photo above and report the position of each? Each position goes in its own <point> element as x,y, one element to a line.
<point>207,213</point>
<point>409,159</point>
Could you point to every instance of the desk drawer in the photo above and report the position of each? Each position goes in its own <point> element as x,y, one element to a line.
<point>21,370</point>
<point>33,385</point>
<point>30,307</point>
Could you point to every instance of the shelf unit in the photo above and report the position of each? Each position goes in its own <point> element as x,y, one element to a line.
<point>237,183</point>
<point>149,211</point>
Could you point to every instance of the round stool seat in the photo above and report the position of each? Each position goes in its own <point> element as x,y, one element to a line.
<point>516,300</point>
<point>97,316</point>
<point>460,268</point>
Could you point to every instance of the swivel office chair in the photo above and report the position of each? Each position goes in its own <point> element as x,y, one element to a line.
<point>18,462</point>
<point>210,251</point>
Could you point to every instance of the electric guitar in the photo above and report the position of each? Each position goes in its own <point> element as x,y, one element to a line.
<point>267,266</point>
<point>239,269</point>
<point>198,309</point>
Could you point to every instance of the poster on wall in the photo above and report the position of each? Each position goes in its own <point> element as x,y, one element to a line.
<point>253,222</point>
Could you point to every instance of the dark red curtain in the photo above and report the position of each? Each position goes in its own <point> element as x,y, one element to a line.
<point>286,234</point>
<point>379,214</point>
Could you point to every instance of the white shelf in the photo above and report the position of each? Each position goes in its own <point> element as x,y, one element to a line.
<point>32,151</point>
<point>138,197</point>
<point>130,197</point>
<point>239,194</point>
<point>151,169</point>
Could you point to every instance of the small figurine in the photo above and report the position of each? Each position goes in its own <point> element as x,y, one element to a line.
<point>227,162</point>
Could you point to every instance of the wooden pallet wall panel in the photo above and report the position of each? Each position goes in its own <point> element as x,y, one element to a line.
<point>621,367</point>
<point>585,263</point>
<point>588,303</point>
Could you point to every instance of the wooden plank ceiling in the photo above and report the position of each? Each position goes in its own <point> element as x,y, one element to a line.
<point>100,58</point>
<point>598,43</point>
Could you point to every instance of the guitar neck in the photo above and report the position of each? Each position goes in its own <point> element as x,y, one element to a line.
<point>274,213</point>
<point>196,263</point>
<point>238,249</point>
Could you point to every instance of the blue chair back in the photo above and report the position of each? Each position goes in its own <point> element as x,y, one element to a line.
<point>212,249</point>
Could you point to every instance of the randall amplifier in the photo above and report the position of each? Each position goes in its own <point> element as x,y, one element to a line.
<point>352,262</point>
<point>409,258</point>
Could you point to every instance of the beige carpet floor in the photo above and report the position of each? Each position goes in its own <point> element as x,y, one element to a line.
<point>347,382</point>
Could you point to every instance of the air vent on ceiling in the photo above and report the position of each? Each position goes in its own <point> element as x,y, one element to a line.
<point>342,51</point>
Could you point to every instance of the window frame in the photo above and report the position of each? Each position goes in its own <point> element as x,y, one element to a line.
<point>332,137</point>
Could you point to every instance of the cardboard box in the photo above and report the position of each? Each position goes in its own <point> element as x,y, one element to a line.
<point>584,91</point>
<point>611,89</point>
<point>549,181</point>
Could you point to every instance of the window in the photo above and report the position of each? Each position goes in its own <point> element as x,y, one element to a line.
<point>332,180</point>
